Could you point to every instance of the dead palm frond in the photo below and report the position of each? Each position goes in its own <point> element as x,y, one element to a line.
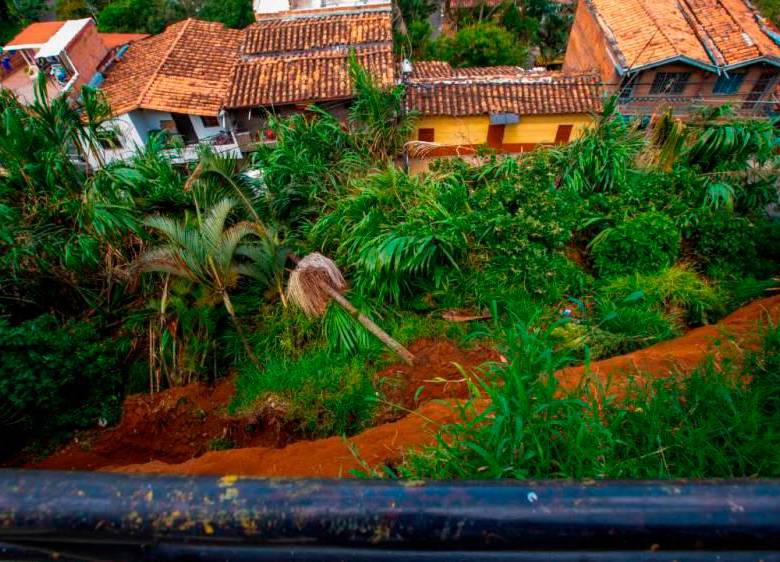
<point>316,281</point>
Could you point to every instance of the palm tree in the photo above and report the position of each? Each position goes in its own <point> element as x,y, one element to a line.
<point>210,254</point>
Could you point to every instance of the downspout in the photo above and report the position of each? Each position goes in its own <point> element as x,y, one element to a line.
<point>75,77</point>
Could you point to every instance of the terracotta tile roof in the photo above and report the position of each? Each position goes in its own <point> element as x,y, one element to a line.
<point>488,90</point>
<point>185,69</point>
<point>111,40</point>
<point>306,33</point>
<point>708,32</point>
<point>36,33</point>
<point>304,59</point>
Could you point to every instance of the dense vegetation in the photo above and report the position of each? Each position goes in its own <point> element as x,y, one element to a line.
<point>152,16</point>
<point>520,32</point>
<point>167,274</point>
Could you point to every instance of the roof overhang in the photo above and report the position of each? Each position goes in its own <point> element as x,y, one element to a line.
<point>60,40</point>
<point>10,48</point>
<point>774,61</point>
<point>671,60</point>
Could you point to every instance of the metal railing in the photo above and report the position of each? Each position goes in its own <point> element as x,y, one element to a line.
<point>101,516</point>
<point>742,105</point>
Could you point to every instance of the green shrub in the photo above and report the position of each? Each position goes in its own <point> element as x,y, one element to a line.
<point>726,242</point>
<point>646,243</point>
<point>675,290</point>
<point>56,377</point>
<point>319,394</point>
<point>481,44</point>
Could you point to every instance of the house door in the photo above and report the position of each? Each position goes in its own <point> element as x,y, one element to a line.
<point>495,137</point>
<point>185,128</point>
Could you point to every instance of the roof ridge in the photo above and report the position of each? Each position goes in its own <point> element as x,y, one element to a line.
<point>168,52</point>
<point>315,51</point>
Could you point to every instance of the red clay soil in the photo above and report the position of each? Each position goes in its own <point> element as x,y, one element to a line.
<point>438,372</point>
<point>174,425</point>
<point>386,444</point>
<point>179,424</point>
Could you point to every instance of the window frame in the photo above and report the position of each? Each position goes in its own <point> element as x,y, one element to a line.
<point>731,90</point>
<point>670,83</point>
<point>211,119</point>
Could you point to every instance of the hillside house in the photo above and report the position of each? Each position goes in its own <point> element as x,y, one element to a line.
<point>264,7</point>
<point>686,54</point>
<point>201,83</point>
<point>507,109</point>
<point>69,53</point>
<point>288,63</point>
<point>175,84</point>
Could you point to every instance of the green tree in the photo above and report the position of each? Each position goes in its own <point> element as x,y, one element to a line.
<point>137,16</point>
<point>377,114</point>
<point>770,9</point>
<point>73,9</point>
<point>210,254</point>
<point>481,44</point>
<point>233,13</point>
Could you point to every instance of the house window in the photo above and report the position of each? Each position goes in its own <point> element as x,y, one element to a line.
<point>670,83</point>
<point>110,140</point>
<point>209,121</point>
<point>627,90</point>
<point>728,84</point>
<point>425,135</point>
<point>563,134</point>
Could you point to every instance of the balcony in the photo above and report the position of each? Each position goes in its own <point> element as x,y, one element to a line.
<point>743,105</point>
<point>181,152</point>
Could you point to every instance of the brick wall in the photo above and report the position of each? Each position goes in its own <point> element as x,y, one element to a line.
<point>86,52</point>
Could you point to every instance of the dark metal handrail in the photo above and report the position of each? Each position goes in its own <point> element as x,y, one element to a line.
<point>105,516</point>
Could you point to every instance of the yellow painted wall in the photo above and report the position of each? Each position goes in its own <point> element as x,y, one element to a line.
<point>532,129</point>
<point>536,129</point>
<point>455,130</point>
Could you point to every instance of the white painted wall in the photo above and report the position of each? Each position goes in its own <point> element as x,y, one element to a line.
<point>201,130</point>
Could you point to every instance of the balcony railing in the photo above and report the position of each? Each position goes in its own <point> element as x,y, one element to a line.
<point>743,105</point>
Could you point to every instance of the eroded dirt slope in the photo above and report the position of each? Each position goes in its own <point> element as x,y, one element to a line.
<point>176,425</point>
<point>387,443</point>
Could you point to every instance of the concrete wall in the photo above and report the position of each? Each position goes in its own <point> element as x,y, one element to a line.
<point>201,130</point>
<point>587,49</point>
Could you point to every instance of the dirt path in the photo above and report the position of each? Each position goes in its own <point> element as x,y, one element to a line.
<point>387,443</point>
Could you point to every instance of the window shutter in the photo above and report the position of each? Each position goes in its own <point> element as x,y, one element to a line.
<point>564,134</point>
<point>425,135</point>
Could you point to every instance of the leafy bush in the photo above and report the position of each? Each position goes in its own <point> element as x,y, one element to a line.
<point>646,243</point>
<point>730,244</point>
<point>318,395</point>
<point>676,290</point>
<point>56,377</point>
<point>481,44</point>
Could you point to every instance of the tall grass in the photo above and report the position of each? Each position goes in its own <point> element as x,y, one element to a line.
<point>723,421</point>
